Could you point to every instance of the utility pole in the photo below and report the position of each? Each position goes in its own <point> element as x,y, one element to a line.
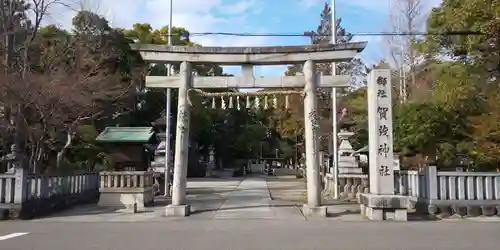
<point>334,110</point>
<point>168,111</point>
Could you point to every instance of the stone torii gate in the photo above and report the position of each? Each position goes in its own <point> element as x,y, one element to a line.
<point>247,57</point>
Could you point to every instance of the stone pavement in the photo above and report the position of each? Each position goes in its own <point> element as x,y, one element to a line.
<point>251,200</point>
<point>285,188</point>
<point>255,213</point>
<point>206,196</point>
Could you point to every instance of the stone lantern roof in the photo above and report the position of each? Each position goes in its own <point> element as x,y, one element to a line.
<point>160,122</point>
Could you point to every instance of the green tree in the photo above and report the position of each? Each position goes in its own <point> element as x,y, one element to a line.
<point>232,133</point>
<point>322,35</point>
<point>16,35</point>
<point>291,121</point>
<point>83,77</point>
<point>480,51</point>
<point>486,132</point>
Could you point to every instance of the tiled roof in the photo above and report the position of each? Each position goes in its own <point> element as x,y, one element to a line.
<point>126,134</point>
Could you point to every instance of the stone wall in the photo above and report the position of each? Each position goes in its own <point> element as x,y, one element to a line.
<point>451,193</point>
<point>443,193</point>
<point>25,196</point>
<point>350,185</point>
<point>126,189</point>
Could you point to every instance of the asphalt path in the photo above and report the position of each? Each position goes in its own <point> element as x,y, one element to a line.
<point>251,234</point>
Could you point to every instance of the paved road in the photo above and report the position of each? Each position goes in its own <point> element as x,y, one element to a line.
<point>240,215</point>
<point>252,234</point>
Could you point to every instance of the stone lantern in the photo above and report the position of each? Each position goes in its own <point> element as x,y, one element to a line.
<point>15,159</point>
<point>347,161</point>
<point>211,162</point>
<point>158,163</point>
<point>346,122</point>
<point>462,162</point>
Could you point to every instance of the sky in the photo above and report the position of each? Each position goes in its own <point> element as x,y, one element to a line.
<point>245,16</point>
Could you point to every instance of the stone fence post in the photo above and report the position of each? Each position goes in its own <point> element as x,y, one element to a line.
<point>20,191</point>
<point>17,165</point>
<point>430,173</point>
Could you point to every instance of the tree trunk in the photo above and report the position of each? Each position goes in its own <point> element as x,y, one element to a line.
<point>19,135</point>
<point>37,152</point>
<point>31,161</point>
<point>61,154</point>
<point>38,159</point>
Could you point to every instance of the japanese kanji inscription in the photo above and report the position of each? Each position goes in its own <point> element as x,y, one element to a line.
<point>380,128</point>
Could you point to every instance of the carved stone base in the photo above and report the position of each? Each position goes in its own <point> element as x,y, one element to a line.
<point>132,208</point>
<point>126,197</point>
<point>460,210</point>
<point>314,211</point>
<point>4,214</point>
<point>178,210</point>
<point>384,207</point>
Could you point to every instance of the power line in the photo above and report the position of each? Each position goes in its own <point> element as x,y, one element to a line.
<point>311,34</point>
<point>186,35</point>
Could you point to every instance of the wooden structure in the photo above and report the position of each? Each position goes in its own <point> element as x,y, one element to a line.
<point>130,148</point>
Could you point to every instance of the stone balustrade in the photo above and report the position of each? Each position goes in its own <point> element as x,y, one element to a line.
<point>450,192</point>
<point>126,189</point>
<point>409,183</point>
<point>470,186</point>
<point>434,192</point>
<point>353,184</point>
<point>350,185</point>
<point>7,189</point>
<point>27,195</point>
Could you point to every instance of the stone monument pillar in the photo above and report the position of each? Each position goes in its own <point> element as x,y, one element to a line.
<point>211,162</point>
<point>313,206</point>
<point>381,203</point>
<point>179,206</point>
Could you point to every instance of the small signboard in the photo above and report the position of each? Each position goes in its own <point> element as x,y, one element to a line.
<point>397,163</point>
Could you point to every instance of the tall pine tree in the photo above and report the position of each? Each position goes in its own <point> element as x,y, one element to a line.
<point>322,35</point>
<point>356,68</point>
<point>15,27</point>
<point>15,31</point>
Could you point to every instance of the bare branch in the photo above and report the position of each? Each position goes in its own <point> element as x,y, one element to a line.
<point>406,16</point>
<point>59,84</point>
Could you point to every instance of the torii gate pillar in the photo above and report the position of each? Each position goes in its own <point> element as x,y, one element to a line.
<point>313,206</point>
<point>179,206</point>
